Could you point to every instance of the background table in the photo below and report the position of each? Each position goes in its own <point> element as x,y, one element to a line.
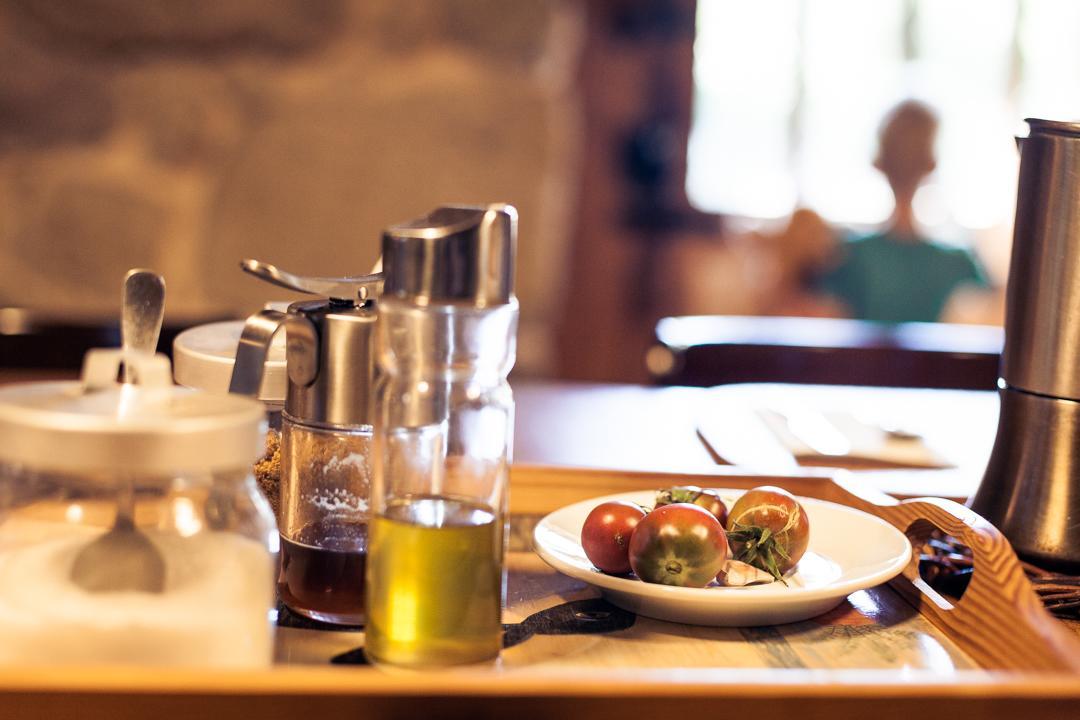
<point>634,427</point>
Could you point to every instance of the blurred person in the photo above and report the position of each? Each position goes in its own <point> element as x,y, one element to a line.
<point>898,274</point>
<point>799,255</point>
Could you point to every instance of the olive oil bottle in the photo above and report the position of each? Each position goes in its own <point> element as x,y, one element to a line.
<point>434,583</point>
<point>444,422</point>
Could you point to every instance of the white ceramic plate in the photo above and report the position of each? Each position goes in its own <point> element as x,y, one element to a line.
<point>849,550</point>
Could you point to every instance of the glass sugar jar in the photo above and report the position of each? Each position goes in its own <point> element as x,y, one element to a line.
<point>131,529</point>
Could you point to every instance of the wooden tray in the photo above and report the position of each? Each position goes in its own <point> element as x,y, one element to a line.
<point>1020,658</point>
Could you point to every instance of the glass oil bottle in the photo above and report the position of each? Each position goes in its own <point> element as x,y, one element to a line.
<point>443,431</point>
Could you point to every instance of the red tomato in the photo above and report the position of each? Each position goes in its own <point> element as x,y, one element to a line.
<point>605,536</point>
<point>708,499</point>
<point>679,544</point>
<point>768,529</point>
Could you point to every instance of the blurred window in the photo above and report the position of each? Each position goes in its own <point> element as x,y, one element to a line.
<point>789,95</point>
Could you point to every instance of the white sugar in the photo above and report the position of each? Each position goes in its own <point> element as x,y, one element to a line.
<point>214,611</point>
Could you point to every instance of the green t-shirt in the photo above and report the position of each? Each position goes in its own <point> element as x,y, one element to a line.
<point>884,279</point>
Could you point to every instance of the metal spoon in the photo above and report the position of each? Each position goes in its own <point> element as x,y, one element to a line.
<point>142,312</point>
<point>124,559</point>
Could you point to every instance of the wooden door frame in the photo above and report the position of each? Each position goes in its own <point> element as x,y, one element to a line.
<point>636,82</point>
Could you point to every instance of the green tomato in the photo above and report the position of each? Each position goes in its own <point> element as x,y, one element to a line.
<point>768,528</point>
<point>679,544</point>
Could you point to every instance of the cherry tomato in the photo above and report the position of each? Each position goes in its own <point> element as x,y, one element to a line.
<point>605,536</point>
<point>707,498</point>
<point>679,544</point>
<point>768,529</point>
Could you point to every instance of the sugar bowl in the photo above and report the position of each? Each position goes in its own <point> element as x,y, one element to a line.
<point>131,529</point>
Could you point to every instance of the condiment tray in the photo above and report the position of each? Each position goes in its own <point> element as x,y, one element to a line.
<point>890,652</point>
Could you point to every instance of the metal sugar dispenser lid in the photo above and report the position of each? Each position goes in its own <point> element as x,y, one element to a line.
<point>329,347</point>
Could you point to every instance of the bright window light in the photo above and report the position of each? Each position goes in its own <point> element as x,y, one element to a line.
<point>789,95</point>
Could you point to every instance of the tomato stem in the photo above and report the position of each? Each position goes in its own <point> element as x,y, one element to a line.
<point>758,546</point>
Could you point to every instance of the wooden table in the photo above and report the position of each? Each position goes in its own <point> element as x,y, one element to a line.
<point>628,427</point>
<point>631,427</point>
<point>876,655</point>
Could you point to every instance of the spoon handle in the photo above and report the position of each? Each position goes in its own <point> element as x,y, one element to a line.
<point>143,308</point>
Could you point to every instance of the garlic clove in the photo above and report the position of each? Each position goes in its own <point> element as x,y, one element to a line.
<point>739,574</point>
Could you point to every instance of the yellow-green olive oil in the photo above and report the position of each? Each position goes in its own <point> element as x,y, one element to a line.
<point>434,583</point>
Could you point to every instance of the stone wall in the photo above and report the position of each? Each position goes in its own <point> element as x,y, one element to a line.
<point>184,135</point>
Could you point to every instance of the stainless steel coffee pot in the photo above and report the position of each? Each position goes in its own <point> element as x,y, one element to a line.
<point>1031,489</point>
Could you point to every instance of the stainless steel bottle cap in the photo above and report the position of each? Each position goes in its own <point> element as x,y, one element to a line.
<point>204,356</point>
<point>455,254</point>
<point>152,428</point>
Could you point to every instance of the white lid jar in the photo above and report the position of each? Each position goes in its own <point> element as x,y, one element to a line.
<point>68,450</point>
<point>204,356</point>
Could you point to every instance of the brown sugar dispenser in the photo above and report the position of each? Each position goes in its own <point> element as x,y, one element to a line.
<point>326,434</point>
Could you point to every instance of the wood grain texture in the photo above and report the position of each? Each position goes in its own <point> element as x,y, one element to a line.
<point>999,621</point>
<point>874,630</point>
<point>329,693</point>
